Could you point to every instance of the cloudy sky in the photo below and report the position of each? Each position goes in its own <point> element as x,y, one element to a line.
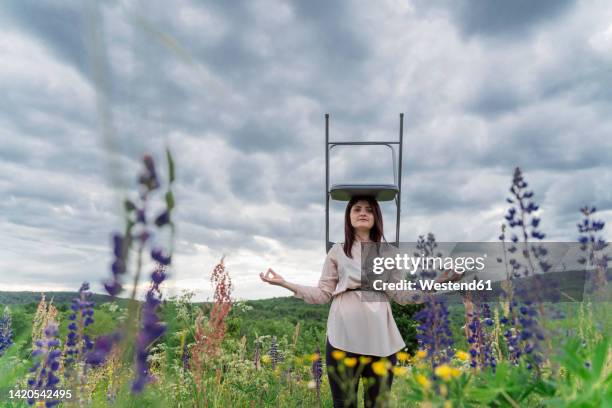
<point>238,91</point>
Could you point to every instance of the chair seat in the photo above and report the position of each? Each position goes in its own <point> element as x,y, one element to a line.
<point>382,192</point>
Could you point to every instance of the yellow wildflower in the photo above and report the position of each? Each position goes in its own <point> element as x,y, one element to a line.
<point>364,360</point>
<point>448,404</point>
<point>314,357</point>
<point>455,372</point>
<point>380,368</point>
<point>444,372</point>
<point>350,362</point>
<point>421,354</point>
<point>400,371</point>
<point>338,354</point>
<point>403,356</point>
<point>462,355</point>
<point>265,359</point>
<point>423,381</point>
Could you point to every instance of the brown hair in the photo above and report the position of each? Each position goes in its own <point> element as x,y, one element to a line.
<point>376,233</point>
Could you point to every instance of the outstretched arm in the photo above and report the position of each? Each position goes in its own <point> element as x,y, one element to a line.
<point>319,294</point>
<point>274,278</point>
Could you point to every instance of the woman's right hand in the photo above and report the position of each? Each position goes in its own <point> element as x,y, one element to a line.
<point>272,277</point>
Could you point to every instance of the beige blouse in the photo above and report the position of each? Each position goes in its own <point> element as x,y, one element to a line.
<point>360,327</point>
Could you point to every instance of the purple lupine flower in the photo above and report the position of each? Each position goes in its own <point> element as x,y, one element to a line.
<point>531,333</point>
<point>163,218</point>
<point>480,339</point>
<point>120,250</point>
<point>158,276</point>
<point>151,329</point>
<point>593,247</point>
<point>317,373</point>
<point>257,355</point>
<point>157,255</point>
<point>520,217</point>
<point>121,243</point>
<point>525,329</point>
<point>102,348</point>
<point>44,370</point>
<point>6,331</point>
<point>185,357</point>
<point>275,355</point>
<point>149,177</point>
<point>427,247</point>
<point>137,230</point>
<point>78,343</point>
<point>434,331</point>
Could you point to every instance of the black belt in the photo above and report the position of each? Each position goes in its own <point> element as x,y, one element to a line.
<point>348,290</point>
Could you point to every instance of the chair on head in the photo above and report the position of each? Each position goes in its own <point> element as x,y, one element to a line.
<point>382,192</point>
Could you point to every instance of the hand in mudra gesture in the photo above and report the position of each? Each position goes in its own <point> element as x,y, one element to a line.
<point>449,276</point>
<point>272,277</point>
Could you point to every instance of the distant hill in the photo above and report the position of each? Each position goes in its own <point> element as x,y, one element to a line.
<point>21,298</point>
<point>268,307</point>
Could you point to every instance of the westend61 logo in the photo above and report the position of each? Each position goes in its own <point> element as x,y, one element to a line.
<point>413,264</point>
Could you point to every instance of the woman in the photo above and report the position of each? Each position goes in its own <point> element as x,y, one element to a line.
<point>362,331</point>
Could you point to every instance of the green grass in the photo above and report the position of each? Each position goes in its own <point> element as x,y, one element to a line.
<point>232,380</point>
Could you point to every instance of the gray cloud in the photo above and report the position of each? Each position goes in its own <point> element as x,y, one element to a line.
<point>239,93</point>
<point>501,18</point>
<point>59,25</point>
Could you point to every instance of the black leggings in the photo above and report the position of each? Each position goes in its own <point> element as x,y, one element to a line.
<point>344,381</point>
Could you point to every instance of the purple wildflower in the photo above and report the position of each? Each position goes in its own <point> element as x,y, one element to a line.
<point>317,373</point>
<point>185,357</point>
<point>102,348</point>
<point>593,245</point>
<point>120,249</point>
<point>427,247</point>
<point>157,255</point>
<point>520,217</point>
<point>257,355</point>
<point>524,320</point>
<point>148,177</point>
<point>137,230</point>
<point>46,364</point>
<point>6,331</point>
<point>275,355</point>
<point>433,332</point>
<point>162,219</point>
<point>151,329</point>
<point>480,339</point>
<point>78,343</point>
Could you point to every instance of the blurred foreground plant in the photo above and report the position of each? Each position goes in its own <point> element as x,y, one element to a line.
<point>140,230</point>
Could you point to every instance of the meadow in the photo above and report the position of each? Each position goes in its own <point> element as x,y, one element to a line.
<point>117,350</point>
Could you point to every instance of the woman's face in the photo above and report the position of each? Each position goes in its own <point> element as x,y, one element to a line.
<point>362,215</point>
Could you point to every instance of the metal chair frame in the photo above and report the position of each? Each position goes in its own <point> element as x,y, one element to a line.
<point>397,174</point>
